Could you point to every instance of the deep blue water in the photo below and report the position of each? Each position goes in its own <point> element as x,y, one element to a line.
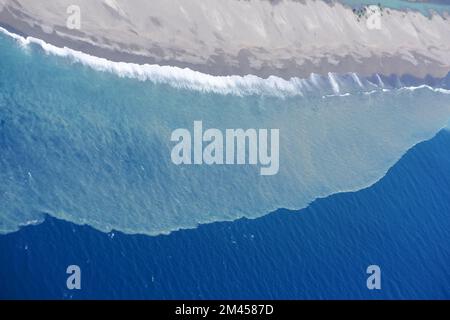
<point>401,223</point>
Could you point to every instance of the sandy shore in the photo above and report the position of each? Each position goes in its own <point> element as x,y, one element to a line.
<point>222,37</point>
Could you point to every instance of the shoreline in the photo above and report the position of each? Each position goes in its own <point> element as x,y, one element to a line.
<point>239,84</point>
<point>419,66</point>
<point>393,81</point>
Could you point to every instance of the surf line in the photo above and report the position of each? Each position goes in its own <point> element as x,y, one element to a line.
<point>234,147</point>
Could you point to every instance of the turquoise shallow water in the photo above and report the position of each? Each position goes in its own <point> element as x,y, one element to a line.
<point>424,7</point>
<point>94,148</point>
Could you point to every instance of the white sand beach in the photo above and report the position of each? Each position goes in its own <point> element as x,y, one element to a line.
<point>223,37</point>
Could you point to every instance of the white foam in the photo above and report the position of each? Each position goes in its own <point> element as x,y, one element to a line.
<point>357,80</point>
<point>186,78</point>
<point>379,80</point>
<point>175,76</point>
<point>333,82</point>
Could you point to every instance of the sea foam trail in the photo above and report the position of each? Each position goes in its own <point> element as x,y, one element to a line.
<point>194,80</point>
<point>92,148</point>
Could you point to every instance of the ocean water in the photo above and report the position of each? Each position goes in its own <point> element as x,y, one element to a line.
<point>424,7</point>
<point>86,178</point>
<point>401,223</point>
<point>88,141</point>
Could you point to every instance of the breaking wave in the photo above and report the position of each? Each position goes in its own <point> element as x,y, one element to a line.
<point>194,80</point>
